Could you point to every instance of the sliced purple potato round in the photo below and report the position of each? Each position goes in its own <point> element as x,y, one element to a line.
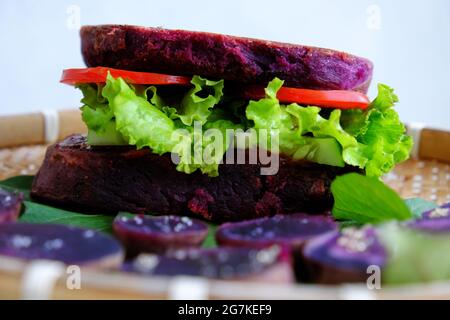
<point>68,244</point>
<point>10,205</point>
<point>141,233</point>
<point>270,264</point>
<point>435,221</point>
<point>340,257</point>
<point>290,231</point>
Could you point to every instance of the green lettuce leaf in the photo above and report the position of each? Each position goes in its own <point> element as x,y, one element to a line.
<point>194,107</point>
<point>92,96</point>
<point>140,123</point>
<point>99,117</point>
<point>386,98</point>
<point>269,115</point>
<point>95,111</point>
<point>145,121</point>
<point>120,113</point>
<point>199,148</point>
<point>296,124</point>
<point>107,136</point>
<point>382,142</point>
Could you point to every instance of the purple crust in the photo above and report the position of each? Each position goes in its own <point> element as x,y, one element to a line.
<point>270,264</point>
<point>436,220</point>
<point>158,234</point>
<point>289,231</point>
<point>338,257</point>
<point>10,205</point>
<point>70,245</point>
<point>113,179</point>
<point>219,56</point>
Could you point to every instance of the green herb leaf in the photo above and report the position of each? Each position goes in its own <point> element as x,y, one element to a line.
<point>39,213</point>
<point>366,200</point>
<point>20,184</point>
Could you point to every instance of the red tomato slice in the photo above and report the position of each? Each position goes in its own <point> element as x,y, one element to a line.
<point>336,99</point>
<point>98,75</point>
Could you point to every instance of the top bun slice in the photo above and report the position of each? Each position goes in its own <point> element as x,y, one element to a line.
<point>217,56</point>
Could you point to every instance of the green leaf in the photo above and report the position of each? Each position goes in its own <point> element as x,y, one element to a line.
<point>366,200</point>
<point>92,96</point>
<point>197,108</point>
<point>296,125</point>
<point>18,184</point>
<point>121,113</point>
<point>147,123</point>
<point>106,137</point>
<point>417,206</point>
<point>153,97</point>
<point>382,142</point>
<point>210,241</point>
<point>97,119</point>
<point>373,140</point>
<point>140,123</point>
<point>414,256</point>
<point>386,98</point>
<point>39,213</point>
<point>354,121</point>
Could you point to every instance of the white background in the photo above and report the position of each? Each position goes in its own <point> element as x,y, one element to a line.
<point>408,41</point>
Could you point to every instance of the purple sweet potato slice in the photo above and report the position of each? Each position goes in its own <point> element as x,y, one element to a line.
<point>270,264</point>
<point>141,233</point>
<point>10,205</point>
<point>220,56</point>
<point>340,257</point>
<point>434,221</point>
<point>290,231</point>
<point>68,244</point>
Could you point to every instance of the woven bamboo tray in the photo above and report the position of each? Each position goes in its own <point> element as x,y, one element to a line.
<point>23,141</point>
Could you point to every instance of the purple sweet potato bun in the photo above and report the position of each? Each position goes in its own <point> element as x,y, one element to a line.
<point>435,221</point>
<point>340,257</point>
<point>141,233</point>
<point>217,56</point>
<point>290,231</point>
<point>10,204</point>
<point>270,264</point>
<point>68,244</point>
<point>240,192</point>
